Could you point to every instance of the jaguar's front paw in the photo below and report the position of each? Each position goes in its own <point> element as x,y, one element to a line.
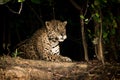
<point>67,59</point>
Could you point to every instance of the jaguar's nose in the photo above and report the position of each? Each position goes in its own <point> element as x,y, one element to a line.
<point>62,38</point>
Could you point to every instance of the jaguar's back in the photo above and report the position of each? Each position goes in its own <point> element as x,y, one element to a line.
<point>44,44</point>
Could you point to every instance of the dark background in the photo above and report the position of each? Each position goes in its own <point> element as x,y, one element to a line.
<point>18,27</point>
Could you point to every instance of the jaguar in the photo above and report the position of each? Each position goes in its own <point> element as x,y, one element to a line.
<point>44,43</point>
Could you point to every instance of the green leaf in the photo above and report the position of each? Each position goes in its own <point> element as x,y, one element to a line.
<point>114,23</point>
<point>3,1</point>
<point>21,0</point>
<point>89,30</point>
<point>92,6</point>
<point>96,2</point>
<point>86,21</point>
<point>36,1</point>
<point>105,35</point>
<point>99,20</point>
<point>16,53</point>
<point>97,15</point>
<point>105,1</point>
<point>82,17</point>
<point>113,31</point>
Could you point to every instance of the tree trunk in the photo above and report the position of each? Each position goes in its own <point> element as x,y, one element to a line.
<point>84,40</point>
<point>82,29</point>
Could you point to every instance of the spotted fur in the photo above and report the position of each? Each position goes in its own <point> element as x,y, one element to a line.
<point>44,44</point>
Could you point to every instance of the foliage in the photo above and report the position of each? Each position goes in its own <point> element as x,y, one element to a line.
<point>37,1</point>
<point>21,0</point>
<point>109,26</point>
<point>48,2</point>
<point>3,2</point>
<point>16,53</point>
<point>82,17</point>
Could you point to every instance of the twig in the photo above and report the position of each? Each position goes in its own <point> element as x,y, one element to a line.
<point>21,6</point>
<point>91,18</point>
<point>86,8</point>
<point>20,9</point>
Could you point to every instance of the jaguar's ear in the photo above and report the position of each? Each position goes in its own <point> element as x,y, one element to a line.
<point>65,23</point>
<point>47,24</point>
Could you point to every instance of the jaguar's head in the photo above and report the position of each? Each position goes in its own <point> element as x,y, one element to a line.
<point>56,30</point>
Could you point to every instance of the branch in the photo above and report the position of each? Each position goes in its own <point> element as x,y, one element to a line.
<point>20,9</point>
<point>86,8</point>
